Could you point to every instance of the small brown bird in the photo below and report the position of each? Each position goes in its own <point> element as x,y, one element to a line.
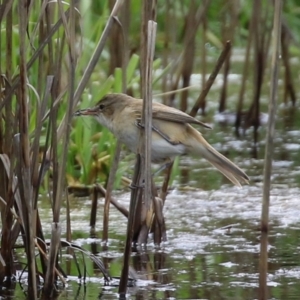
<point>172,133</point>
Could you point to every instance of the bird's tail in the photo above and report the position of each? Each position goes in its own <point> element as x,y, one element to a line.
<point>223,164</point>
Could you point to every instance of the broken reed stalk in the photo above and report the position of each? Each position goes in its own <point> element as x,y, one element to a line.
<point>141,229</point>
<point>263,260</point>
<point>119,38</point>
<point>147,213</point>
<point>147,111</point>
<point>121,208</point>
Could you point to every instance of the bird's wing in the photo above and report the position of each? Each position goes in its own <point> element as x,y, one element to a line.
<point>174,115</point>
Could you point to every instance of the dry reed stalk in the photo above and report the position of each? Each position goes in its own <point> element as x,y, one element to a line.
<point>94,208</point>
<point>121,208</point>
<point>138,211</point>
<point>194,19</point>
<point>9,123</point>
<point>6,141</point>
<point>147,111</point>
<point>114,166</point>
<point>68,234</point>
<point>140,234</point>
<point>165,185</point>
<point>135,199</point>
<point>228,33</point>
<point>147,213</point>
<point>261,39</point>
<point>95,56</point>
<point>245,74</point>
<point>109,188</point>
<point>211,79</point>
<point>189,45</point>
<point>43,168</point>
<point>166,51</point>
<point>69,30</point>
<point>263,260</point>
<point>35,56</point>
<point>200,102</point>
<point>24,163</point>
<point>117,36</point>
<point>203,61</point>
<point>289,90</point>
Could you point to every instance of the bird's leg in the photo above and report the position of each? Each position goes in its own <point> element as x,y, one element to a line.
<point>164,136</point>
<point>163,167</point>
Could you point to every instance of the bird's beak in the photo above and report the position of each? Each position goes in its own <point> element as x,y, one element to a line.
<point>86,112</point>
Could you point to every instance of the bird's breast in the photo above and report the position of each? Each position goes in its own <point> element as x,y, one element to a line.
<point>128,133</point>
<point>169,139</point>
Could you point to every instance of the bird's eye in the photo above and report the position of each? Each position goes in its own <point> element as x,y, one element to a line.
<point>101,106</point>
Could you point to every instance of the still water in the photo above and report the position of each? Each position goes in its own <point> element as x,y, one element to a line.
<point>213,233</point>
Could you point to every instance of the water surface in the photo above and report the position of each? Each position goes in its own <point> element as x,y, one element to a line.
<point>213,233</point>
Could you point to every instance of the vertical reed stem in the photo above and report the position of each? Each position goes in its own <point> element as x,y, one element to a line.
<point>263,262</point>
<point>25,174</point>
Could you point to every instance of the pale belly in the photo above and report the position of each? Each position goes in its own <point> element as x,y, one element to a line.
<point>161,149</point>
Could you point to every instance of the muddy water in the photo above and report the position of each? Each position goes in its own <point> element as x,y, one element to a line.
<point>213,233</point>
